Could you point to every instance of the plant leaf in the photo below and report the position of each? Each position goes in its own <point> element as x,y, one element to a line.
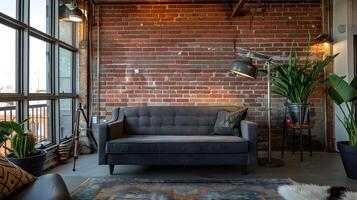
<point>346,91</point>
<point>335,96</point>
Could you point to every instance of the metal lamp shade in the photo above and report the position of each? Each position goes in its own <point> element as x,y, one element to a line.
<point>64,13</point>
<point>67,15</point>
<point>76,15</point>
<point>244,67</point>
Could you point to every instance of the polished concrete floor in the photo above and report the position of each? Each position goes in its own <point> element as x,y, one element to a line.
<point>322,168</point>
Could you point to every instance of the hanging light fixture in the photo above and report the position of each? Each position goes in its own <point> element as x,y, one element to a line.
<point>76,15</point>
<point>70,15</point>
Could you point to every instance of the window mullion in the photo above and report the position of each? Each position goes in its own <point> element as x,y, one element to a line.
<point>24,72</point>
<point>56,109</point>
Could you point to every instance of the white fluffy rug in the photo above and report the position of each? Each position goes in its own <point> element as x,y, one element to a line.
<point>315,192</point>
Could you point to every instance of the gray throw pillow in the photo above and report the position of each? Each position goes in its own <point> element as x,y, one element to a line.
<point>228,122</point>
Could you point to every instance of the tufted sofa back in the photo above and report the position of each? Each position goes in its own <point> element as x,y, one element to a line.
<point>170,120</point>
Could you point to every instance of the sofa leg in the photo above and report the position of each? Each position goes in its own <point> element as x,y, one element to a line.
<point>111,169</point>
<point>243,169</point>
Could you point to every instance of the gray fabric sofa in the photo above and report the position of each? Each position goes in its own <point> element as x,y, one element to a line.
<point>166,135</point>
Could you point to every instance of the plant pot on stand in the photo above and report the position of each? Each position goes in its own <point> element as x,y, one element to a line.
<point>298,112</point>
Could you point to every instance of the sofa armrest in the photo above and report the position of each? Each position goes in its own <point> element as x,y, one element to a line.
<point>249,132</point>
<point>108,131</point>
<point>102,141</point>
<point>48,186</point>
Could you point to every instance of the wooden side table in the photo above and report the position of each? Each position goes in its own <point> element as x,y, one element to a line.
<point>300,128</point>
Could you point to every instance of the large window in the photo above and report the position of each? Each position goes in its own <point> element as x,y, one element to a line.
<point>38,66</point>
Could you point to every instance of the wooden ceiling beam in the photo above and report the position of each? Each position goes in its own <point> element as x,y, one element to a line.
<point>238,7</point>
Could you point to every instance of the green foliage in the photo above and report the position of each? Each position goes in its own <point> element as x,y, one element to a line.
<point>22,143</point>
<point>298,83</point>
<point>345,95</point>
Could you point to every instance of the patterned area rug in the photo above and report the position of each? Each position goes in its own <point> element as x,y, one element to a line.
<point>146,189</point>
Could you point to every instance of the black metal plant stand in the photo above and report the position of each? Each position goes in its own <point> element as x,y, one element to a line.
<point>300,128</point>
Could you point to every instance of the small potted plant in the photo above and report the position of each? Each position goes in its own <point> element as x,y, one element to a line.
<point>298,83</point>
<point>22,152</point>
<point>345,96</point>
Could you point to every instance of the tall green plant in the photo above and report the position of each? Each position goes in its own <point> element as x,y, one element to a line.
<point>345,95</point>
<point>298,83</point>
<point>22,142</point>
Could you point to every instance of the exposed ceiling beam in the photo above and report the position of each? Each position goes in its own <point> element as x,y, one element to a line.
<point>238,7</point>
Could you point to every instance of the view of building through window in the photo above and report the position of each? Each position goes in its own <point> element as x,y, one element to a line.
<point>40,66</point>
<point>8,7</point>
<point>40,15</point>
<point>8,58</point>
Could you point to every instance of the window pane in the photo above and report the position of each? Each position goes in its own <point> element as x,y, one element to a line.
<point>65,71</point>
<point>39,123</point>
<point>9,7</point>
<point>7,59</point>
<point>40,15</point>
<point>66,114</point>
<point>66,32</point>
<point>7,113</point>
<point>40,62</point>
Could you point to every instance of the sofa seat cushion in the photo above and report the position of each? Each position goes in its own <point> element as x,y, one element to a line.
<point>177,144</point>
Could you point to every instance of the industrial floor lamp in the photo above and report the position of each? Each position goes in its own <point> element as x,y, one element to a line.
<point>244,67</point>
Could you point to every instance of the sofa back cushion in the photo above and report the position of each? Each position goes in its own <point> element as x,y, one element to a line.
<point>170,120</point>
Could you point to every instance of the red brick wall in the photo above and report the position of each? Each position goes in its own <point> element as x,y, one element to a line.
<point>182,52</point>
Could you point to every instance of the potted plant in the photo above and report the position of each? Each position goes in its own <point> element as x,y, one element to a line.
<point>22,152</point>
<point>298,83</point>
<point>345,95</point>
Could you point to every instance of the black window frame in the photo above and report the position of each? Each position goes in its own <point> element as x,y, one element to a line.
<point>22,95</point>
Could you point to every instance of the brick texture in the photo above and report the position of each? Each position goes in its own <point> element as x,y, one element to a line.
<point>179,54</point>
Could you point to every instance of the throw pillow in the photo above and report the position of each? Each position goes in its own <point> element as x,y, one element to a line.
<point>229,121</point>
<point>12,177</point>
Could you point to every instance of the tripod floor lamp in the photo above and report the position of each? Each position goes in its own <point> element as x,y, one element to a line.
<point>244,67</point>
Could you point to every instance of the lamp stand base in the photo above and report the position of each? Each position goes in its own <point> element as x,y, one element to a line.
<point>273,163</point>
